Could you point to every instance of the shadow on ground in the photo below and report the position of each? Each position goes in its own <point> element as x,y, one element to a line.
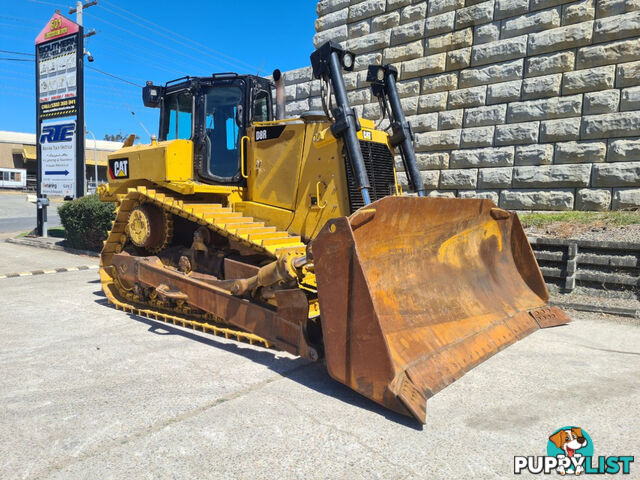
<point>311,375</point>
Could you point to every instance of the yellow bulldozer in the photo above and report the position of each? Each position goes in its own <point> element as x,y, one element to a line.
<point>294,233</point>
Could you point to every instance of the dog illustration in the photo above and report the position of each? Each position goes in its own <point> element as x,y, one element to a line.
<point>569,441</point>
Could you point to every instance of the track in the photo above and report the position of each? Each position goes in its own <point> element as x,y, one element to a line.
<point>266,240</point>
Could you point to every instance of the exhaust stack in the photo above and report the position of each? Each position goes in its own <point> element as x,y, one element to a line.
<point>278,78</point>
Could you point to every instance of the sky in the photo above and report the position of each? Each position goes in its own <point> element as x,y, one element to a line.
<point>150,40</point>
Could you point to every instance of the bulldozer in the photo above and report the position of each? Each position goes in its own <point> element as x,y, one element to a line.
<point>295,234</point>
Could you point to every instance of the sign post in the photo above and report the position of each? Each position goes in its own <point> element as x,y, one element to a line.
<point>59,113</point>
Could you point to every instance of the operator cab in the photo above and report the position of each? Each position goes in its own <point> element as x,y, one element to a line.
<point>212,112</point>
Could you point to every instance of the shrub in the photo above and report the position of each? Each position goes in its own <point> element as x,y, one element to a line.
<point>87,221</point>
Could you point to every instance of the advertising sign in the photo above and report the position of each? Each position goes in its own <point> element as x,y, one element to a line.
<point>59,109</point>
<point>57,27</point>
<point>57,68</point>
<point>58,147</point>
<point>57,77</point>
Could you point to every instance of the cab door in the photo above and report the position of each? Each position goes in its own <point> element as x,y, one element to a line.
<point>221,128</point>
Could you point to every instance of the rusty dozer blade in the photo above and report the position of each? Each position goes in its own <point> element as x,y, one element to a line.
<point>414,292</point>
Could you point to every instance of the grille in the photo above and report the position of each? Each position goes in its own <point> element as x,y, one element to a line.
<point>379,163</point>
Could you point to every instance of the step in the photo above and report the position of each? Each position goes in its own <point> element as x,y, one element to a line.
<point>202,204</point>
<point>214,212</point>
<point>256,237</point>
<point>223,222</point>
<point>204,207</point>
<point>247,231</point>
<point>234,227</point>
<point>223,217</point>
<point>280,241</point>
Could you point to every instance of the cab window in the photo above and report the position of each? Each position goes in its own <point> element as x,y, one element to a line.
<point>261,107</point>
<point>177,116</point>
<point>223,130</point>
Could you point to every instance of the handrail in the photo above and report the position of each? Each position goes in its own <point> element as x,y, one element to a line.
<point>318,196</point>
<point>244,175</point>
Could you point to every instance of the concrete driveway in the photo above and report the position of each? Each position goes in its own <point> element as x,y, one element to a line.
<point>90,392</point>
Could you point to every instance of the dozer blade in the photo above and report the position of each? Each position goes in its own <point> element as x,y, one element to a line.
<point>414,292</point>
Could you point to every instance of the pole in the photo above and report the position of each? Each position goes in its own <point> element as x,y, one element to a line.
<point>41,212</point>
<point>79,8</point>
<point>79,12</point>
<point>45,230</point>
<point>81,190</point>
<point>95,161</point>
<point>95,158</point>
<point>81,184</point>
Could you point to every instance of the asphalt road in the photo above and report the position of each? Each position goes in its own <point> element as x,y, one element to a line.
<point>18,215</point>
<point>90,392</point>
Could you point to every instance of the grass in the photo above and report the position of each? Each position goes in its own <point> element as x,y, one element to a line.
<point>580,218</point>
<point>55,232</point>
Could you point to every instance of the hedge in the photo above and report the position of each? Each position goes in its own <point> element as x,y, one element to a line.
<point>87,221</point>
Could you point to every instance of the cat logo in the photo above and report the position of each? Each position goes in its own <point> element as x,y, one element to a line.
<point>119,168</point>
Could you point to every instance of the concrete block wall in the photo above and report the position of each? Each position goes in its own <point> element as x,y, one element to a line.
<point>532,103</point>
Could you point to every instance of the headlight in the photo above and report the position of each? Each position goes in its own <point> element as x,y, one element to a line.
<point>347,61</point>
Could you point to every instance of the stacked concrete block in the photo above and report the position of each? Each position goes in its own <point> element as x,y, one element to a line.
<point>532,103</point>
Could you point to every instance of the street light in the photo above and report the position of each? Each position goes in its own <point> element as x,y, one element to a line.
<point>95,158</point>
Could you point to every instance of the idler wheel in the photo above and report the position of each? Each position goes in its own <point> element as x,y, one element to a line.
<point>149,227</point>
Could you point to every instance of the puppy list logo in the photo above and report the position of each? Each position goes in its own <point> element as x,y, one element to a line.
<point>570,452</point>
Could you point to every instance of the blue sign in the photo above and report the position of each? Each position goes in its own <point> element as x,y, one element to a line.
<point>58,150</point>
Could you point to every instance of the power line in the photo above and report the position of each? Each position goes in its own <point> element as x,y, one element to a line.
<point>31,76</point>
<point>16,74</point>
<point>133,60</point>
<point>154,57</point>
<point>137,57</point>
<point>15,94</point>
<point>133,113</point>
<point>112,75</point>
<point>162,59</point>
<point>11,37</point>
<point>18,53</point>
<point>20,19</point>
<point>88,66</point>
<point>92,82</point>
<point>47,3</point>
<point>21,89</point>
<point>146,39</point>
<point>163,67</point>
<point>100,84</point>
<point>143,57</point>
<point>235,61</point>
<point>98,102</point>
<point>17,27</point>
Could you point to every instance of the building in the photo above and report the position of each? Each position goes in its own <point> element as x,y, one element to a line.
<point>534,104</point>
<point>18,151</point>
